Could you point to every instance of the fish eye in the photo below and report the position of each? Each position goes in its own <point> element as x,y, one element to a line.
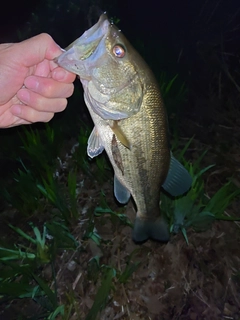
<point>119,51</point>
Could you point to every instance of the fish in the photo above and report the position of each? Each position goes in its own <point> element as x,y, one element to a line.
<point>130,124</point>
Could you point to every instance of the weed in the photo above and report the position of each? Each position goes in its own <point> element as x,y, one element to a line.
<point>101,297</point>
<point>80,152</point>
<point>194,209</point>
<point>19,266</point>
<point>63,199</point>
<point>23,193</point>
<point>36,142</point>
<point>131,267</point>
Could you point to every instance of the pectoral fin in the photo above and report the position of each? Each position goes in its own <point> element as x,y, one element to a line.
<point>120,135</point>
<point>121,193</point>
<point>95,146</point>
<point>178,180</point>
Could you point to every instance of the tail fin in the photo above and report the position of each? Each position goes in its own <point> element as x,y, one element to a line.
<point>178,180</point>
<point>156,229</point>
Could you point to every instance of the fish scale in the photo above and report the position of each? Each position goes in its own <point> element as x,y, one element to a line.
<point>145,165</point>
<point>130,123</point>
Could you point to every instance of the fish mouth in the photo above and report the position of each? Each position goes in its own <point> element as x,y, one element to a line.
<point>85,46</point>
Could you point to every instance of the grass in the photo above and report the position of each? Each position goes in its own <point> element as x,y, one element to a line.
<point>20,265</point>
<point>196,209</point>
<point>22,261</point>
<point>32,192</point>
<point>42,191</point>
<point>43,185</point>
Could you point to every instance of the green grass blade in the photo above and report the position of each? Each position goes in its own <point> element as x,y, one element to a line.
<point>221,199</point>
<point>59,311</point>
<point>23,234</point>
<point>102,295</point>
<point>9,254</point>
<point>184,232</point>
<point>52,296</point>
<point>128,271</point>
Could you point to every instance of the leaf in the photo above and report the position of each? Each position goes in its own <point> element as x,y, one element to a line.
<point>62,236</point>
<point>95,237</point>
<point>49,293</point>
<point>102,295</point>
<point>122,217</point>
<point>23,234</point>
<point>128,271</point>
<point>58,311</point>
<point>222,198</point>
<point>184,232</point>
<point>16,290</point>
<point>9,254</point>
<point>202,220</point>
<point>201,172</point>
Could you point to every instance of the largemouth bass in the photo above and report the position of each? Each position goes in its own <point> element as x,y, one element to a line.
<point>124,101</point>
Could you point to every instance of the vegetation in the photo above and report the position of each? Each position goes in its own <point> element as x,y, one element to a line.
<point>45,192</point>
<point>66,248</point>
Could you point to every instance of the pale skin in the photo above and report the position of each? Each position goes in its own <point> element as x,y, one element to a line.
<point>32,86</point>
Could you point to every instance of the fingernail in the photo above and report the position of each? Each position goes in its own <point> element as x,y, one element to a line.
<point>59,74</point>
<point>16,110</point>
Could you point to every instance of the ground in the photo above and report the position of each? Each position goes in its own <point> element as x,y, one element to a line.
<point>176,280</point>
<point>153,281</point>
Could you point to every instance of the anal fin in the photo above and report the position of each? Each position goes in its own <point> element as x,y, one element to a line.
<point>121,193</point>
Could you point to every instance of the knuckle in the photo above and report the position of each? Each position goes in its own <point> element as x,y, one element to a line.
<point>45,37</point>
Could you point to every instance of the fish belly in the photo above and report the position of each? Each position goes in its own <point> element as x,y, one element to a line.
<point>142,169</point>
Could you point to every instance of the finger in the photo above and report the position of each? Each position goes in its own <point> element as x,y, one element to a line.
<point>49,87</point>
<point>7,119</point>
<point>25,115</point>
<point>39,47</point>
<point>62,75</point>
<point>16,121</point>
<point>41,103</point>
<point>43,69</point>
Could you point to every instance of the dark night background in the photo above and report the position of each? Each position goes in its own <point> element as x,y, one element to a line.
<point>199,40</point>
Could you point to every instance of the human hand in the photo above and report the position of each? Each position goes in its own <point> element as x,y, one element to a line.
<point>32,86</point>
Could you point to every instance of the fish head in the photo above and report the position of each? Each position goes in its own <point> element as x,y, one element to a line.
<point>81,55</point>
<point>106,64</point>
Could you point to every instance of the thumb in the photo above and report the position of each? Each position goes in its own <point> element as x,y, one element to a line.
<point>36,49</point>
